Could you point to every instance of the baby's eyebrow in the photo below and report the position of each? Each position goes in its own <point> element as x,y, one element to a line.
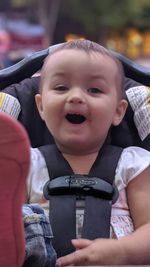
<point>59,74</point>
<point>97,76</point>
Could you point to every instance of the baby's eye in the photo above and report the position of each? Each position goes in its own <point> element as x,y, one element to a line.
<point>94,90</point>
<point>61,88</point>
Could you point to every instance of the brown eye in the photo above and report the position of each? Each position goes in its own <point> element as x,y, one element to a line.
<point>94,90</point>
<point>61,88</point>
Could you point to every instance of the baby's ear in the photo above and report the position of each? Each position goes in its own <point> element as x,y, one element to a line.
<point>120,112</point>
<point>38,101</point>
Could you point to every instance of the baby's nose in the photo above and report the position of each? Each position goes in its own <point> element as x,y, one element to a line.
<point>76,96</point>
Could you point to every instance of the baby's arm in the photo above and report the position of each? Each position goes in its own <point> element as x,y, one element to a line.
<point>137,245</point>
<point>133,249</point>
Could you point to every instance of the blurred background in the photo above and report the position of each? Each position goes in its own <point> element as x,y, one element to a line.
<point>27,26</point>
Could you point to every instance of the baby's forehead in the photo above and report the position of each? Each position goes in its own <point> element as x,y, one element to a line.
<point>91,63</point>
<point>65,54</point>
<point>63,51</point>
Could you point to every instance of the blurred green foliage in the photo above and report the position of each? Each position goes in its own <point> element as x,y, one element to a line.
<point>91,13</point>
<point>109,13</point>
<point>92,16</point>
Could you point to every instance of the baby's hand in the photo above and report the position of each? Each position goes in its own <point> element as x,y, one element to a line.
<point>97,252</point>
<point>76,256</point>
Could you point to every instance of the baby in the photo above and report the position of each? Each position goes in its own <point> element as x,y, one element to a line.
<point>80,98</point>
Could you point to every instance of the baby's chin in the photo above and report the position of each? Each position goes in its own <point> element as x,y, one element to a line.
<point>76,148</point>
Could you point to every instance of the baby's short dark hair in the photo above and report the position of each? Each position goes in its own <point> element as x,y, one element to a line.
<point>89,46</point>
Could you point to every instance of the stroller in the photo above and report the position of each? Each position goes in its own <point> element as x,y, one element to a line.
<point>19,87</point>
<point>19,82</point>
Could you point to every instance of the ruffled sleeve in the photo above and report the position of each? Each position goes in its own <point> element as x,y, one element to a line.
<point>133,161</point>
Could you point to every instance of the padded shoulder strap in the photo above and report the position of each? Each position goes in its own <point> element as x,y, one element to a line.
<point>106,163</point>
<point>104,167</point>
<point>56,163</point>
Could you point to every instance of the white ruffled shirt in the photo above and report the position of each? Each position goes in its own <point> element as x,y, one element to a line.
<point>132,162</point>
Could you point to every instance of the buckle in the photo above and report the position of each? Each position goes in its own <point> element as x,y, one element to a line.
<point>81,185</point>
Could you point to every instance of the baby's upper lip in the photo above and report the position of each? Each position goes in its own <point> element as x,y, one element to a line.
<point>76,112</point>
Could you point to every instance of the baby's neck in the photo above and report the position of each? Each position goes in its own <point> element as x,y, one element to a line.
<point>81,164</point>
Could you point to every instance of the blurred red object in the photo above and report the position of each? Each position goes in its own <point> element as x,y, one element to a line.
<point>19,38</point>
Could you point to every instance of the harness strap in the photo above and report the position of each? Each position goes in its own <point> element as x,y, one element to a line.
<point>98,210</point>
<point>56,163</point>
<point>63,221</point>
<point>63,207</point>
<point>96,218</point>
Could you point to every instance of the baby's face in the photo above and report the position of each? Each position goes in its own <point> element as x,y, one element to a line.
<point>79,100</point>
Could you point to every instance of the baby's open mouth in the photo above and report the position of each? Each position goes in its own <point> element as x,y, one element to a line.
<point>75,118</point>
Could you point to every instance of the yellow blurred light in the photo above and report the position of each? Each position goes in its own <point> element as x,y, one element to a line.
<point>71,37</point>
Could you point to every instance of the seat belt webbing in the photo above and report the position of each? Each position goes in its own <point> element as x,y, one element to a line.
<point>63,220</point>
<point>97,210</point>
